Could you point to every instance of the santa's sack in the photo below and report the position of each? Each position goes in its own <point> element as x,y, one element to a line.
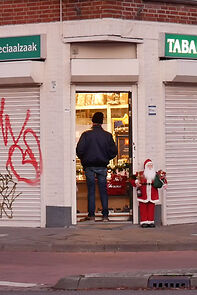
<point>157,183</point>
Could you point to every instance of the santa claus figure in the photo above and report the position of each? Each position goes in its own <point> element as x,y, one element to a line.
<point>147,183</point>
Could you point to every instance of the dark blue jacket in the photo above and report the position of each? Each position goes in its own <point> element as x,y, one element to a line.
<point>96,147</point>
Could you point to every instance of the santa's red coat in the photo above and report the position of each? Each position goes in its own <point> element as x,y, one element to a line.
<point>143,188</point>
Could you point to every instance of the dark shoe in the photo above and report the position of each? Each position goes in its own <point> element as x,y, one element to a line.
<point>92,218</point>
<point>105,219</point>
<point>152,225</point>
<point>144,225</point>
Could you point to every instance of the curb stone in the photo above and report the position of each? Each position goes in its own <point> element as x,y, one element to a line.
<point>105,281</point>
<point>193,280</point>
<point>117,280</point>
<point>62,246</point>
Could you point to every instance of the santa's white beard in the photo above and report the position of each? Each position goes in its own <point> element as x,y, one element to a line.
<point>149,173</point>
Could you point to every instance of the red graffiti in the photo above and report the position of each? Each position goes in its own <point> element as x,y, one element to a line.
<point>27,154</point>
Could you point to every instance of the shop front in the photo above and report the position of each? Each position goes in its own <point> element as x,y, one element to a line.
<point>20,151</point>
<point>180,80</point>
<point>104,76</point>
<point>147,94</point>
<point>162,120</point>
<point>116,103</point>
<point>115,107</point>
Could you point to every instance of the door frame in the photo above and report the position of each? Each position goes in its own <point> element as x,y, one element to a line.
<point>101,88</point>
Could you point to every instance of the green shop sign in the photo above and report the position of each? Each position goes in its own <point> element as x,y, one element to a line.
<point>22,47</point>
<point>184,46</point>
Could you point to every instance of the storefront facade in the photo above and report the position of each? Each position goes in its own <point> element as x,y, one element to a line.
<point>97,56</point>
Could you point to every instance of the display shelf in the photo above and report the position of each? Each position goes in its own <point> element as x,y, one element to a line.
<point>81,180</point>
<point>102,107</point>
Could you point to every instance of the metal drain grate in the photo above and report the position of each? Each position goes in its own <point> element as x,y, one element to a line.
<point>162,282</point>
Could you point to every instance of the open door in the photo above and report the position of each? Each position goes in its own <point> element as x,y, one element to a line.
<point>116,107</point>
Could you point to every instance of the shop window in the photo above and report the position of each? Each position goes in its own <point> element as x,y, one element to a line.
<point>114,106</point>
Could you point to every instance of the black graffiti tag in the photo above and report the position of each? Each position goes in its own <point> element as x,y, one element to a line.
<point>7,194</point>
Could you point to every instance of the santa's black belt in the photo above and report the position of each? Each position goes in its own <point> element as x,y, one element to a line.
<point>146,183</point>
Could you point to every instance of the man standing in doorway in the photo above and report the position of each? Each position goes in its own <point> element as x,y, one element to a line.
<point>95,149</point>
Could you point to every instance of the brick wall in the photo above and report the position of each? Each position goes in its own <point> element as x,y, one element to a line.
<point>35,11</point>
<point>28,11</point>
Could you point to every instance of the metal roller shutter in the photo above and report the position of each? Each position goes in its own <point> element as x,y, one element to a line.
<point>20,151</point>
<point>181,154</point>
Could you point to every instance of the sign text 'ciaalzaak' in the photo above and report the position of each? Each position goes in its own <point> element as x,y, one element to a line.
<point>18,48</point>
<point>21,47</point>
<point>184,46</point>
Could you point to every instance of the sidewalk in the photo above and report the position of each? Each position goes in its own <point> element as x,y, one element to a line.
<point>90,237</point>
<point>99,237</point>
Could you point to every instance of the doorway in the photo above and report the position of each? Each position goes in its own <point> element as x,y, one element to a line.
<point>116,107</point>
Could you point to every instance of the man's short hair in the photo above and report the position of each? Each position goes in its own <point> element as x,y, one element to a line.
<point>98,118</point>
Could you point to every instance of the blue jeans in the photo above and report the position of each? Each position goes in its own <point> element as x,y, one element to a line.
<point>101,174</point>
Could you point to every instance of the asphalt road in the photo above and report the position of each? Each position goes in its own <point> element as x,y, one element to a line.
<point>47,268</point>
<point>103,292</point>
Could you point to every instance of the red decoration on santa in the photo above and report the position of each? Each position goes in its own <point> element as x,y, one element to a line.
<point>148,181</point>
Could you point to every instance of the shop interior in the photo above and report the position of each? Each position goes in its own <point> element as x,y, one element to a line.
<point>115,107</point>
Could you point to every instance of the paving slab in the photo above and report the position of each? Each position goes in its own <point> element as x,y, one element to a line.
<point>100,237</point>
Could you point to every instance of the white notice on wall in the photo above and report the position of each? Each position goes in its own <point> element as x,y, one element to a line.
<point>53,86</point>
<point>152,110</point>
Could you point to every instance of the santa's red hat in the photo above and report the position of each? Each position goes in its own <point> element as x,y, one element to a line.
<point>147,161</point>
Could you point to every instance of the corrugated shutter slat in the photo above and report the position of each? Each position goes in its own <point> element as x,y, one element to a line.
<point>27,206</point>
<point>181,154</point>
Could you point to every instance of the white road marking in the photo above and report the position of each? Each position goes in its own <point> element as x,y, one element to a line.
<point>3,235</point>
<point>15,284</point>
